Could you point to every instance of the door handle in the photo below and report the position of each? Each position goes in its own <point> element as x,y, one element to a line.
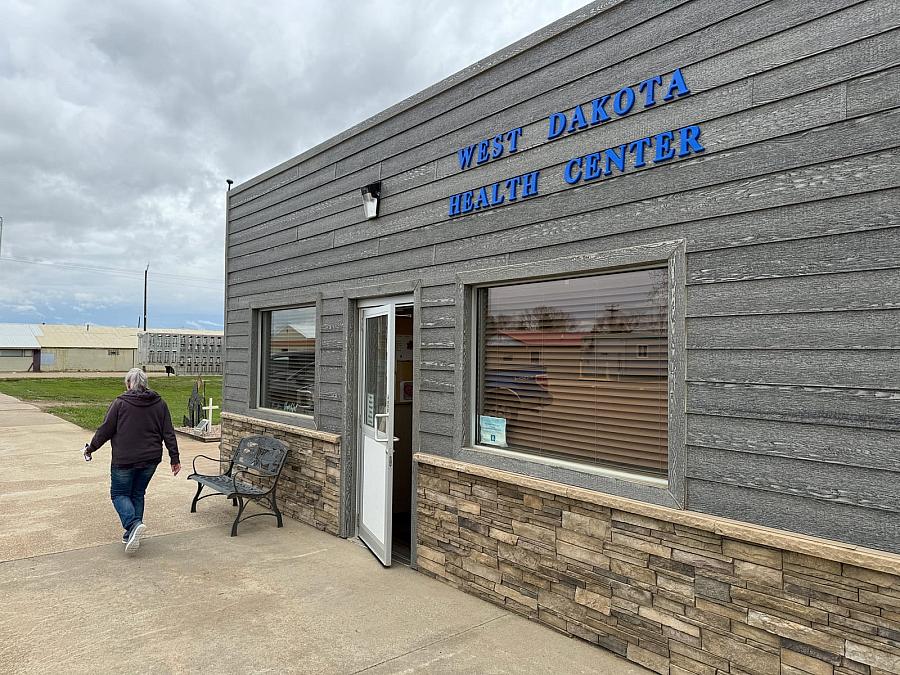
<point>386,438</point>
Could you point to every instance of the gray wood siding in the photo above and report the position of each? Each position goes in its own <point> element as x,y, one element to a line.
<point>789,218</point>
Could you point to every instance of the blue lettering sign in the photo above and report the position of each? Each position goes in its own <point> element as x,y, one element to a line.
<point>454,205</point>
<point>513,137</point>
<point>592,166</point>
<point>482,200</point>
<point>509,190</point>
<point>465,156</point>
<point>572,174</point>
<point>598,110</point>
<point>578,121</point>
<point>496,197</point>
<point>637,149</point>
<point>657,148</point>
<point>483,155</point>
<point>611,157</point>
<point>688,139</point>
<point>676,86</point>
<point>467,206</point>
<point>557,125</point>
<point>497,146</point>
<point>530,184</point>
<point>622,103</point>
<point>512,186</point>
<point>489,148</point>
<point>648,87</point>
<point>663,149</point>
<point>662,145</point>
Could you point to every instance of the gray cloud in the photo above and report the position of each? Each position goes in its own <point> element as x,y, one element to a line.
<point>120,121</point>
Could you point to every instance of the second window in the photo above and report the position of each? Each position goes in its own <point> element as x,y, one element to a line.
<point>288,360</point>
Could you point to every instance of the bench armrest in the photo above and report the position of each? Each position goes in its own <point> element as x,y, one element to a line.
<point>194,462</point>
<point>234,477</point>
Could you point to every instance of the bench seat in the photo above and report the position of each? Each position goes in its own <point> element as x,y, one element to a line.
<point>224,485</point>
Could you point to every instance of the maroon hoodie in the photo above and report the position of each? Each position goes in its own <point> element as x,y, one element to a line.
<point>137,423</point>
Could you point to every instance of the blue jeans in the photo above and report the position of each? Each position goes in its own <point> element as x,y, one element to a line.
<point>127,488</point>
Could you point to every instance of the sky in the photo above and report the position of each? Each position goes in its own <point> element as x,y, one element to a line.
<point>120,121</point>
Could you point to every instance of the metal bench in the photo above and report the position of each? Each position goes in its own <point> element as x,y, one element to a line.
<point>260,457</point>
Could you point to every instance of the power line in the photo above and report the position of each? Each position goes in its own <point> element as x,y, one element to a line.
<point>95,268</point>
<point>109,270</point>
<point>104,282</point>
<point>199,285</point>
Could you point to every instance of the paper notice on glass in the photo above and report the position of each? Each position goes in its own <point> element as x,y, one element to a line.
<point>493,430</point>
<point>370,410</point>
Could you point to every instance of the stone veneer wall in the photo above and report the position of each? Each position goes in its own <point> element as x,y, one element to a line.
<point>676,597</point>
<point>309,488</point>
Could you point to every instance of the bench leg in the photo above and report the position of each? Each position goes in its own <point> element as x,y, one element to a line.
<point>238,518</point>
<point>277,512</point>
<point>196,497</point>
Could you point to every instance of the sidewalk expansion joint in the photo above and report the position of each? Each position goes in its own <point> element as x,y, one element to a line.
<point>109,543</point>
<point>432,643</point>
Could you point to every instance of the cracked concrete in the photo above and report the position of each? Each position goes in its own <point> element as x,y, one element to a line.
<point>193,598</point>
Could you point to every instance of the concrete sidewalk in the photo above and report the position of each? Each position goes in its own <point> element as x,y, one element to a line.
<point>193,598</point>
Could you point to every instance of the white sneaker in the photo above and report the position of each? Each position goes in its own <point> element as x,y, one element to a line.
<point>134,538</point>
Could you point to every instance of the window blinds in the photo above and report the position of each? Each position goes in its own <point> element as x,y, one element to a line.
<point>288,360</point>
<point>578,367</point>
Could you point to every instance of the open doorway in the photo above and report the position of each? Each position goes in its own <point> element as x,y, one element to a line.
<point>403,500</point>
<point>385,403</point>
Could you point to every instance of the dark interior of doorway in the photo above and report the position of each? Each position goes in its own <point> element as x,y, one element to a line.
<point>403,498</point>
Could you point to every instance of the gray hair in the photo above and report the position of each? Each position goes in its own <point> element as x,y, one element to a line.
<point>136,380</point>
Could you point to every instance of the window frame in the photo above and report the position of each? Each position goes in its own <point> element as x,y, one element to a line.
<point>668,491</point>
<point>258,310</point>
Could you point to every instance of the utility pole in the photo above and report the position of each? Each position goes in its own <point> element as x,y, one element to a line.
<point>145,296</point>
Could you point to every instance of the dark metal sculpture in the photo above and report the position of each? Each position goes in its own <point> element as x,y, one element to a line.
<point>195,405</point>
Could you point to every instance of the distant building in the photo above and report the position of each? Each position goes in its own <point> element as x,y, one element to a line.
<point>67,348</point>
<point>188,352</point>
<point>87,348</point>
<point>19,349</point>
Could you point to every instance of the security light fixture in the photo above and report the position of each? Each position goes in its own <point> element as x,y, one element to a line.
<point>371,195</point>
<point>230,182</point>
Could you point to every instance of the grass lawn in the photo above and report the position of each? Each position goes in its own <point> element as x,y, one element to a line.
<point>84,401</point>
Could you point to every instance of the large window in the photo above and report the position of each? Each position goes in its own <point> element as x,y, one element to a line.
<point>577,369</point>
<point>288,359</point>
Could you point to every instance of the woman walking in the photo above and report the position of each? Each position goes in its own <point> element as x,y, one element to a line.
<point>137,423</point>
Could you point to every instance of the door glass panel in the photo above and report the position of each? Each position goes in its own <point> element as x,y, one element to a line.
<point>375,387</point>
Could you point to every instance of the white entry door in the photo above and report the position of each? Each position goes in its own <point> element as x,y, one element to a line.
<point>376,425</point>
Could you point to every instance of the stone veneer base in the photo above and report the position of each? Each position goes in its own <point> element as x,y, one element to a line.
<point>677,592</point>
<point>309,487</point>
